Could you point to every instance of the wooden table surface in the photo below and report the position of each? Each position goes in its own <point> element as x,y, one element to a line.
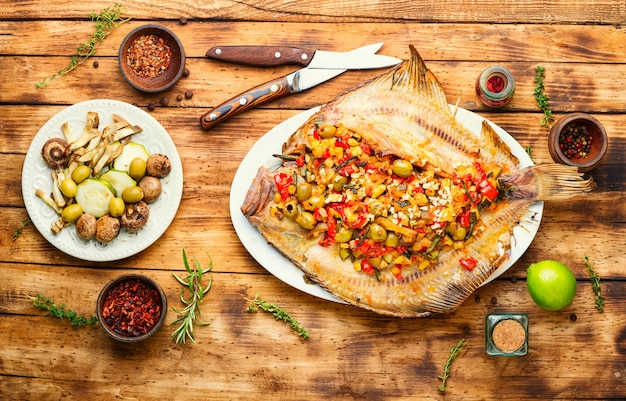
<point>351,354</point>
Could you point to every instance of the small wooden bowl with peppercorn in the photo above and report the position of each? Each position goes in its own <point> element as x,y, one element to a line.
<point>151,58</point>
<point>579,140</point>
<point>131,307</point>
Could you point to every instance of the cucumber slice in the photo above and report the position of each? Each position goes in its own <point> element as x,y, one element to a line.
<point>119,180</point>
<point>131,150</point>
<point>93,196</point>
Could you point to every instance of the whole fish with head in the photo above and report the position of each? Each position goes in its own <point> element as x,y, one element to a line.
<point>388,202</point>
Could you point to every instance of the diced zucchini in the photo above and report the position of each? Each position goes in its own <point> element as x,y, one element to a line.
<point>93,196</point>
<point>131,151</point>
<point>119,180</point>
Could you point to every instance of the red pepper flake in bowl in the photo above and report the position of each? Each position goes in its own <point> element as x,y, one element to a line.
<point>132,308</point>
<point>148,56</point>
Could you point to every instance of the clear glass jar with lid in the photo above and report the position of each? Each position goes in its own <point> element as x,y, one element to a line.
<point>495,86</point>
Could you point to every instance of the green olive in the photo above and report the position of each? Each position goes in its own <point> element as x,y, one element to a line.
<point>306,220</point>
<point>291,210</point>
<point>339,181</point>
<point>392,240</point>
<point>327,131</point>
<point>343,235</point>
<point>69,187</point>
<point>81,173</point>
<point>137,168</point>
<point>303,191</point>
<point>116,207</point>
<point>132,194</point>
<point>72,212</point>
<point>402,168</point>
<point>317,201</point>
<point>378,232</point>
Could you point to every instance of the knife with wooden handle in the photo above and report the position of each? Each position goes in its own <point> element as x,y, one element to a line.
<point>262,55</point>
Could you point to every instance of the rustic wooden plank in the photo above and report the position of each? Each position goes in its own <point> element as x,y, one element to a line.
<point>440,42</point>
<point>218,363</point>
<point>558,11</point>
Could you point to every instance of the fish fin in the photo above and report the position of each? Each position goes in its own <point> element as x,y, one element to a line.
<point>498,150</point>
<point>549,182</point>
<point>260,193</point>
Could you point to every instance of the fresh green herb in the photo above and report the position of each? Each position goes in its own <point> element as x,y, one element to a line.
<point>595,285</point>
<point>105,23</point>
<point>59,311</point>
<point>529,151</point>
<point>542,98</point>
<point>19,230</point>
<point>279,314</point>
<point>454,352</point>
<point>189,315</point>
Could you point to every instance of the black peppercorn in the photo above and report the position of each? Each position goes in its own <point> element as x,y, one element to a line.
<point>96,64</point>
<point>179,97</point>
<point>151,106</point>
<point>165,101</point>
<point>185,73</point>
<point>188,95</point>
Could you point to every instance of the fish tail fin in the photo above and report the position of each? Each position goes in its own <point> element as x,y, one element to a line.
<point>549,182</point>
<point>260,193</point>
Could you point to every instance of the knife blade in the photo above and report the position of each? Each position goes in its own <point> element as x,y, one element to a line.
<point>298,81</point>
<point>282,55</point>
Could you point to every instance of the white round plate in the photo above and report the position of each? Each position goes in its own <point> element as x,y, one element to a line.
<point>279,266</point>
<point>36,174</point>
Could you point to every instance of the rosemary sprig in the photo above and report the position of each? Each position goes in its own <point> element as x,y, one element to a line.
<point>279,314</point>
<point>189,315</point>
<point>529,151</point>
<point>19,230</point>
<point>595,285</point>
<point>542,98</point>
<point>454,352</point>
<point>105,22</point>
<point>48,305</point>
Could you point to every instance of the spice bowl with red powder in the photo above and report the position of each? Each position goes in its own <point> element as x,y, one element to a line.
<point>578,139</point>
<point>131,307</point>
<point>151,58</point>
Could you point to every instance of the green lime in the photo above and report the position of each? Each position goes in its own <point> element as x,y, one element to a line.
<point>551,284</point>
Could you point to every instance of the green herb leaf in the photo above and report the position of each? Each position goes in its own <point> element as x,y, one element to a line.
<point>542,98</point>
<point>105,22</point>
<point>595,285</point>
<point>454,352</point>
<point>48,305</point>
<point>190,313</point>
<point>19,230</point>
<point>279,314</point>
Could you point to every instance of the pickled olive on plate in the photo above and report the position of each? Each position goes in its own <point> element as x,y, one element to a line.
<point>137,168</point>
<point>117,207</point>
<point>132,194</point>
<point>402,168</point>
<point>72,212</point>
<point>81,173</point>
<point>69,187</point>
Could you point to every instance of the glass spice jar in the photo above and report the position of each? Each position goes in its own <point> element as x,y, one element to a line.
<point>495,86</point>
<point>506,334</point>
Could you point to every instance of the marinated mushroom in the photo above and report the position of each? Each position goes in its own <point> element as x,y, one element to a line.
<point>107,228</point>
<point>86,226</point>
<point>135,216</point>
<point>158,165</point>
<point>55,152</point>
<point>151,187</point>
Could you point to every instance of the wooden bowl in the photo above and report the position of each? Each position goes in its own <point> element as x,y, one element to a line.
<point>122,290</point>
<point>599,144</point>
<point>139,79</point>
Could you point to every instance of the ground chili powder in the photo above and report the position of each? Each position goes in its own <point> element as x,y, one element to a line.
<point>495,84</point>
<point>148,56</point>
<point>132,308</point>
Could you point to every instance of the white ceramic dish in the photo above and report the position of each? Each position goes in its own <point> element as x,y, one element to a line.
<point>282,268</point>
<point>36,174</point>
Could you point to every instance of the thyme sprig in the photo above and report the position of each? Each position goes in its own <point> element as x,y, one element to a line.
<point>193,283</point>
<point>542,98</point>
<point>59,311</point>
<point>105,22</point>
<point>454,352</point>
<point>279,314</point>
<point>19,230</point>
<point>595,285</point>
